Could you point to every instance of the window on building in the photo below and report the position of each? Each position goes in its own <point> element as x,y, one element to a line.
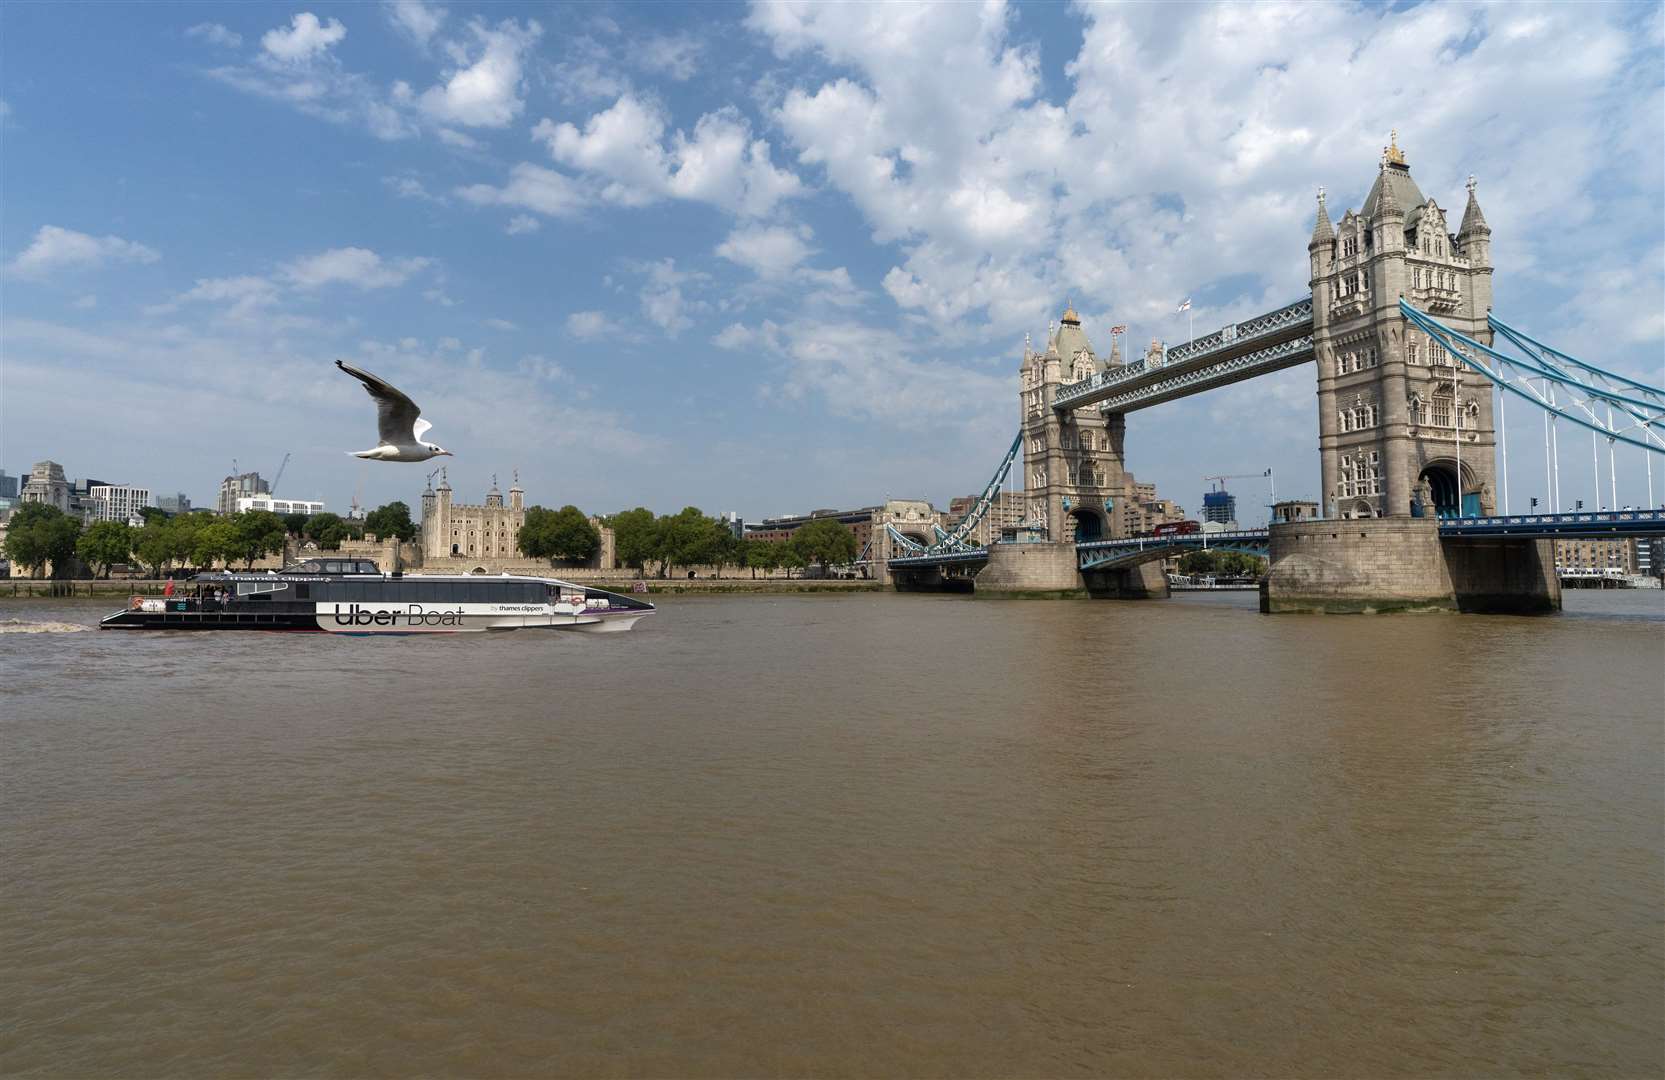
<point>1442,408</point>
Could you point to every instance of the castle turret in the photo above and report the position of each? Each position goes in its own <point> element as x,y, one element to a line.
<point>1474,236</point>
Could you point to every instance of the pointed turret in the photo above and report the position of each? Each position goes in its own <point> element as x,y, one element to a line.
<point>1387,202</point>
<point>1322,231</point>
<point>1474,239</point>
<point>1474,222</point>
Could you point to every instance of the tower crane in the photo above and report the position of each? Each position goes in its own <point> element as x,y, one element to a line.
<point>1221,480</point>
<point>272,490</point>
<point>1271,483</point>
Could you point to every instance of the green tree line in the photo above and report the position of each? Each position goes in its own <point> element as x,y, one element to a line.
<point>41,534</point>
<point>656,544</point>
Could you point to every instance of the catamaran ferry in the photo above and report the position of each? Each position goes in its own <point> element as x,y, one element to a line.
<point>353,596</point>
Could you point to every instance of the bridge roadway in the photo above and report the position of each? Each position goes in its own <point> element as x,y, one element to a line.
<point>1118,554</point>
<point>1257,346</point>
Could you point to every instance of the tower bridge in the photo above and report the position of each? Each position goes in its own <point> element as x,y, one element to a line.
<point>1399,328</point>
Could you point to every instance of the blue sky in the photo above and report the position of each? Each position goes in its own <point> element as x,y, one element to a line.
<point>764,258</point>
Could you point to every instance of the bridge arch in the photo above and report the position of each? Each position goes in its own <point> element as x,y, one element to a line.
<point>1437,488</point>
<point>1088,524</point>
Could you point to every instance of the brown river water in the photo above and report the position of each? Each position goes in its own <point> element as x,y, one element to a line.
<point>841,836</point>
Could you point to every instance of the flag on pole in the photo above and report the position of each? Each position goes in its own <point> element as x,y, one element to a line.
<point>1119,329</point>
<point>1184,305</point>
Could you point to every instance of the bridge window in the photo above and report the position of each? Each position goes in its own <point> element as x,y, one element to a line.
<point>1442,409</point>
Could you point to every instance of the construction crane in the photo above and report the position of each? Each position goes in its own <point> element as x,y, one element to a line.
<point>1221,480</point>
<point>1219,483</point>
<point>272,490</point>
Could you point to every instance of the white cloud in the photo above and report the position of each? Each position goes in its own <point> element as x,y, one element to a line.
<point>215,34</point>
<point>586,325</point>
<point>663,301</point>
<point>417,20</point>
<point>305,39</point>
<point>531,187</point>
<point>458,139</point>
<point>521,224</point>
<point>409,187</point>
<point>772,251</point>
<point>675,57</point>
<point>543,369</point>
<point>54,249</point>
<point>1002,201</point>
<point>736,336</point>
<point>622,149</point>
<point>486,89</point>
<point>238,297</point>
<point>353,266</point>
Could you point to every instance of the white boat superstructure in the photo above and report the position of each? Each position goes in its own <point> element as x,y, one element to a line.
<point>348,596</point>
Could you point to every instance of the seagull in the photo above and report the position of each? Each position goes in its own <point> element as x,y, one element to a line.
<point>398,422</point>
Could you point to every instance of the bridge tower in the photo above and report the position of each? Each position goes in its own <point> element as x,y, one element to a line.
<point>1072,460</point>
<point>1392,404</point>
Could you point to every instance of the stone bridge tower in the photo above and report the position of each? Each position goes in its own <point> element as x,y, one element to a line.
<point>1392,405</point>
<point>1072,461</point>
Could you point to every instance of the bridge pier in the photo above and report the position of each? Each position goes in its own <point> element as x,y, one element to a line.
<point>929,579</point>
<point>1034,570</point>
<point>1402,564</point>
<point>1147,581</point>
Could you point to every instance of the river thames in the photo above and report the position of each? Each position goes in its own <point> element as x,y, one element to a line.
<point>842,836</point>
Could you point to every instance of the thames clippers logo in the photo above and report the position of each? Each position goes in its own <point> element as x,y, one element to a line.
<point>415,615</point>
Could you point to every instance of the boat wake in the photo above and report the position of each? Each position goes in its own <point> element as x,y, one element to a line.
<point>24,626</point>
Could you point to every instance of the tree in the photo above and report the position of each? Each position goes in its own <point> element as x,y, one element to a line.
<point>788,556</point>
<point>689,538</point>
<point>213,542</point>
<point>319,524</point>
<point>824,541</point>
<point>759,555</point>
<point>635,537</point>
<point>391,520</point>
<point>104,545</point>
<point>257,533</point>
<point>154,545</point>
<point>40,533</point>
<point>559,534</point>
<point>334,533</point>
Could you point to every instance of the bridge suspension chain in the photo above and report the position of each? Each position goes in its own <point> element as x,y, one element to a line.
<point>956,540</point>
<point>1537,377</point>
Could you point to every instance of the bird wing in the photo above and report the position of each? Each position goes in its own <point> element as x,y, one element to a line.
<point>396,414</point>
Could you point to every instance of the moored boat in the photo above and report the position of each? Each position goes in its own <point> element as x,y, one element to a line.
<point>352,596</point>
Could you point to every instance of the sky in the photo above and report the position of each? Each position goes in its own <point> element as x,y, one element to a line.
<point>763,258</point>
